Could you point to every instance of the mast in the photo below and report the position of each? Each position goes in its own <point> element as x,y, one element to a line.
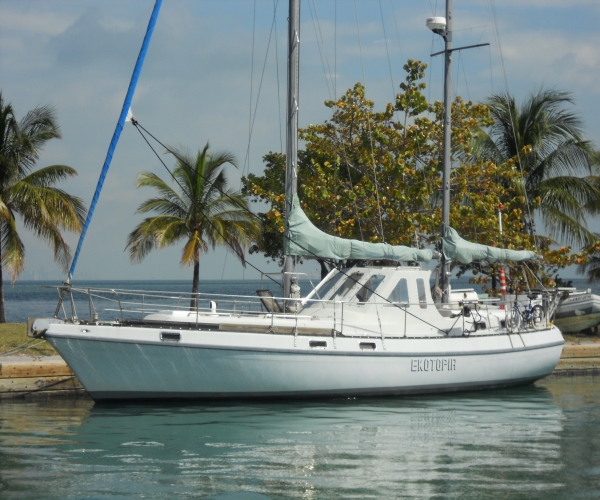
<point>291,179</point>
<point>443,27</point>
<point>445,267</point>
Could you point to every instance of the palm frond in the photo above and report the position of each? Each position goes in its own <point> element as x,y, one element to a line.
<point>566,228</point>
<point>47,176</point>
<point>13,250</point>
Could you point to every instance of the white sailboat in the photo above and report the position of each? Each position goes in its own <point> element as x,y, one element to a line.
<point>368,330</point>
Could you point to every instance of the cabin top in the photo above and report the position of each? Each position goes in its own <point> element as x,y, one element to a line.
<point>362,285</point>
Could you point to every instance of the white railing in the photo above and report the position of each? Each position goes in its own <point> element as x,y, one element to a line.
<point>101,305</point>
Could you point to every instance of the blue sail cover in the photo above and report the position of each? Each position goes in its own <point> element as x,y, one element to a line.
<point>302,238</point>
<point>458,250</point>
<point>117,133</point>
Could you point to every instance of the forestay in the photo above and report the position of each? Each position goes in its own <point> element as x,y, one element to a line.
<point>303,239</point>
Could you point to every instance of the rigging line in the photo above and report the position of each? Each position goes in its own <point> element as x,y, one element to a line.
<point>457,80</point>
<point>223,271</point>
<point>335,167</point>
<point>341,143</point>
<point>347,162</point>
<point>251,76</point>
<point>335,49</point>
<point>387,52</point>
<point>462,66</point>
<point>362,65</point>
<point>483,28</point>
<point>397,30</point>
<point>319,47</point>
<point>492,8</point>
<point>140,127</point>
<point>262,76</point>
<point>430,67</point>
<point>465,76</point>
<point>278,84</point>
<point>344,152</point>
<point>491,69</point>
<point>324,46</point>
<point>320,44</point>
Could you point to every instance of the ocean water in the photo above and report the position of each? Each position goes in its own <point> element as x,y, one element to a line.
<point>535,442</point>
<point>39,298</point>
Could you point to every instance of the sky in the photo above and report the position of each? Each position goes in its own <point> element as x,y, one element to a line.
<point>211,75</point>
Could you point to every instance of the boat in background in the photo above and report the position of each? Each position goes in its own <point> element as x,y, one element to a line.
<point>575,310</point>
<point>578,310</point>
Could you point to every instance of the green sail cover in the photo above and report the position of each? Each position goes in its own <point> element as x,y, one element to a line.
<point>302,238</point>
<point>458,250</point>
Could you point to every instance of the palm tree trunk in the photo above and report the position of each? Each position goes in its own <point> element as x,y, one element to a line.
<point>195,285</point>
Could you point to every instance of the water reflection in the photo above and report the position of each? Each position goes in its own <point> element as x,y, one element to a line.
<point>534,442</point>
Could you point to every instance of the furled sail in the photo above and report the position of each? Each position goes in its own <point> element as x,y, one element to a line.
<point>458,250</point>
<point>302,238</point>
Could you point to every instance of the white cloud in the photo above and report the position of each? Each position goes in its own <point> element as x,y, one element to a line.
<point>36,22</point>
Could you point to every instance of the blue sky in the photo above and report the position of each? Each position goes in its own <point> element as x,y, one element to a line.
<point>78,55</point>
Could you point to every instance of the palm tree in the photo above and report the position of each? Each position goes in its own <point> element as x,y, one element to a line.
<point>560,168</point>
<point>203,213</point>
<point>30,194</point>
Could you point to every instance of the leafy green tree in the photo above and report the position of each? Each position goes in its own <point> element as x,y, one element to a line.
<point>203,213</point>
<point>560,168</point>
<point>31,194</point>
<point>377,175</point>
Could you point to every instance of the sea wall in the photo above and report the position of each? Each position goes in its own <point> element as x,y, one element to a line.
<point>39,377</point>
<point>578,359</point>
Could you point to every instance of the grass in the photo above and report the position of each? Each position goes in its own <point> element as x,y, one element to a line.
<point>13,335</point>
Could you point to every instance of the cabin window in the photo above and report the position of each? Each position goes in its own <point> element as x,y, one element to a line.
<point>333,283</point>
<point>422,293</point>
<point>400,293</point>
<point>351,282</point>
<point>364,294</point>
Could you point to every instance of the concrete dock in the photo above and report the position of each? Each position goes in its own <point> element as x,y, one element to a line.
<point>40,377</point>
<point>579,358</point>
<point>49,376</point>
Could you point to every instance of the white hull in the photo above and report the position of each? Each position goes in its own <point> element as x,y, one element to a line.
<point>246,365</point>
<point>352,342</point>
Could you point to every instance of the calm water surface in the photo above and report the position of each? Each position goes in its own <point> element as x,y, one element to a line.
<point>536,442</point>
